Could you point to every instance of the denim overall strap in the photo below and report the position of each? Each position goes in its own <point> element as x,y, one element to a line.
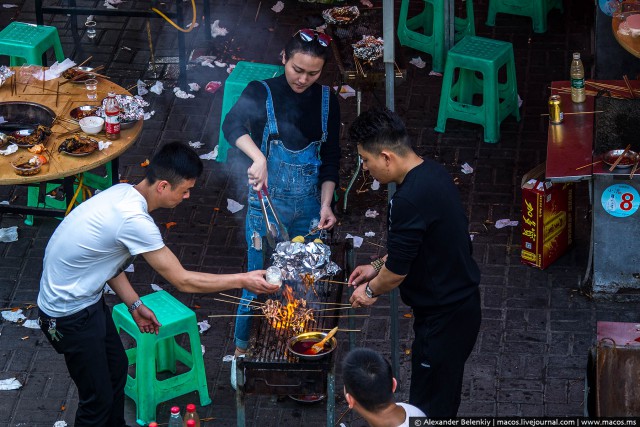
<point>271,127</point>
<point>325,116</point>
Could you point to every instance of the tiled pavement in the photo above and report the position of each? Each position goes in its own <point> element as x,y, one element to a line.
<point>531,354</point>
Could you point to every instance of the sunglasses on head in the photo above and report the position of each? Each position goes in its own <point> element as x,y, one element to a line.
<point>307,35</point>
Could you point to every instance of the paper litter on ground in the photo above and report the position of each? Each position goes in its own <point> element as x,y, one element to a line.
<point>194,87</point>
<point>466,169</point>
<point>142,88</point>
<point>227,358</point>
<point>202,347</point>
<point>212,155</point>
<point>234,206</point>
<point>204,326</point>
<point>213,86</point>
<point>277,8</point>
<point>196,25</point>
<point>10,384</point>
<point>12,148</point>
<point>357,240</point>
<point>375,185</point>
<point>501,223</point>
<point>9,234</point>
<point>148,115</point>
<point>4,202</point>
<point>346,91</point>
<point>182,94</point>
<point>31,324</point>
<point>196,144</point>
<point>13,316</point>
<point>107,290</point>
<point>206,61</point>
<point>156,288</point>
<point>220,64</point>
<point>435,73</point>
<point>369,234</point>
<point>157,88</point>
<point>370,213</point>
<point>60,424</point>
<point>217,30</point>
<point>230,68</point>
<point>418,62</point>
<point>9,6</point>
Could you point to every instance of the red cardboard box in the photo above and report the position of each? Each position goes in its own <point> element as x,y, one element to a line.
<point>548,218</point>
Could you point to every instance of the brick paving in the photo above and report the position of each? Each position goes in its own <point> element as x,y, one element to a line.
<point>531,354</point>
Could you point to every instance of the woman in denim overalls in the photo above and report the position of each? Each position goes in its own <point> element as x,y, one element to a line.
<point>298,155</point>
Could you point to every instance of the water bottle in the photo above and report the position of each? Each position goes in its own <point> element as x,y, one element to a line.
<point>191,415</point>
<point>577,79</point>
<point>112,117</point>
<point>175,420</point>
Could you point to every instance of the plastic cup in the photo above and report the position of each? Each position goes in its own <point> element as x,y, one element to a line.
<point>92,89</point>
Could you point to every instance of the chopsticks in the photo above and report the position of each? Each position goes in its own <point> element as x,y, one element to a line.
<point>84,62</point>
<point>84,74</point>
<point>626,81</point>
<point>620,157</point>
<point>635,167</point>
<point>590,164</point>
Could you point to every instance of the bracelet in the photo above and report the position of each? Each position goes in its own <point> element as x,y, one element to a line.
<point>135,305</point>
<point>377,264</point>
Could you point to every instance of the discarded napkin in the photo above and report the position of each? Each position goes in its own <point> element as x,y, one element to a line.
<point>194,87</point>
<point>195,144</point>
<point>277,8</point>
<point>156,288</point>
<point>212,155</point>
<point>12,148</point>
<point>182,94</point>
<point>418,62</point>
<point>501,223</point>
<point>369,234</point>
<point>370,213</point>
<point>234,206</point>
<point>31,324</point>
<point>9,234</point>
<point>13,316</point>
<point>467,169</point>
<point>217,30</point>
<point>56,70</point>
<point>157,88</point>
<point>204,326</point>
<point>142,88</point>
<point>10,384</point>
<point>357,240</point>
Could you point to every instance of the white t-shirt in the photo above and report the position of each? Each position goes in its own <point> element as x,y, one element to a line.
<point>93,244</point>
<point>411,411</point>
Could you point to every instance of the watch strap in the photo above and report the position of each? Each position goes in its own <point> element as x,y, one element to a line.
<point>377,264</point>
<point>135,305</point>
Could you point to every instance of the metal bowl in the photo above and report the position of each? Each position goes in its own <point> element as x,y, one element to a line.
<point>312,337</point>
<point>86,77</point>
<point>629,159</point>
<point>83,111</point>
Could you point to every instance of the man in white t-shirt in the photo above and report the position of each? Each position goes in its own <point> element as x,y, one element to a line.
<point>92,246</point>
<point>369,386</point>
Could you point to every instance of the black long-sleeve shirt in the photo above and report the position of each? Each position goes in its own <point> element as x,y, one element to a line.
<point>429,240</point>
<point>298,116</point>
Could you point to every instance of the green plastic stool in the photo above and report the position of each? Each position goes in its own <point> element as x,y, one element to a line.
<point>243,73</point>
<point>536,9</point>
<point>159,353</point>
<point>37,193</point>
<point>425,31</point>
<point>485,56</point>
<point>26,43</point>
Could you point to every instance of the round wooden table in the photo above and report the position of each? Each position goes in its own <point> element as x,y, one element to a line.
<point>630,43</point>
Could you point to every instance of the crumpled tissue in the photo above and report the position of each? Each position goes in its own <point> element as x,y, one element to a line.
<point>156,288</point>
<point>9,234</point>
<point>55,70</point>
<point>206,61</point>
<point>13,316</point>
<point>357,240</point>
<point>142,88</point>
<point>12,148</point>
<point>194,87</point>
<point>182,94</point>
<point>370,213</point>
<point>10,384</point>
<point>234,206</point>
<point>212,155</point>
<point>369,234</point>
<point>204,326</point>
<point>466,169</point>
<point>148,115</point>
<point>220,64</point>
<point>435,73</point>
<point>501,223</point>
<point>277,8</point>
<point>418,62</point>
<point>103,145</point>
<point>375,185</point>
<point>157,88</point>
<point>31,324</point>
<point>60,424</point>
<point>195,144</point>
<point>228,358</point>
<point>217,30</point>
<point>230,68</point>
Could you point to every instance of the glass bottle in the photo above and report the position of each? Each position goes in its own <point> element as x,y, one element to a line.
<point>153,424</point>
<point>191,414</point>
<point>112,116</point>
<point>175,420</point>
<point>191,423</point>
<point>577,79</point>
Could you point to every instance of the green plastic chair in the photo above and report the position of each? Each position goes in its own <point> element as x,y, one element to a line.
<point>26,43</point>
<point>243,74</point>
<point>159,353</point>
<point>425,31</point>
<point>485,56</point>
<point>536,9</point>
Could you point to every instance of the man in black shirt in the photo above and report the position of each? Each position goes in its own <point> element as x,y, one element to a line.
<point>428,258</point>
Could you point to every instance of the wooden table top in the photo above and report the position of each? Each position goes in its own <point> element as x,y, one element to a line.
<point>630,43</point>
<point>70,96</point>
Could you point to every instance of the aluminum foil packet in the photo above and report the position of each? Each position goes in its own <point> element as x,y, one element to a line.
<point>5,73</point>
<point>131,108</point>
<point>299,259</point>
<point>369,48</point>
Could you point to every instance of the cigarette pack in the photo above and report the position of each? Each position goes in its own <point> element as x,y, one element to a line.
<point>548,218</point>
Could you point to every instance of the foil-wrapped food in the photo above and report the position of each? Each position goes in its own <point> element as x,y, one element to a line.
<point>297,260</point>
<point>369,48</point>
<point>5,73</point>
<point>131,108</point>
<point>341,15</point>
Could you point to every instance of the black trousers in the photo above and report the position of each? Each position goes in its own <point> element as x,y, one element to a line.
<point>96,361</point>
<point>443,342</point>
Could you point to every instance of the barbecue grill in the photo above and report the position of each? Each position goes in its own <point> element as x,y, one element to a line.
<point>269,369</point>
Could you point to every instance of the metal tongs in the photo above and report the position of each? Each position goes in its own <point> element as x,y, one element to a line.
<point>272,232</point>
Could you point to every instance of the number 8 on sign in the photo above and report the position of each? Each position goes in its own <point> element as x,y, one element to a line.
<point>620,200</point>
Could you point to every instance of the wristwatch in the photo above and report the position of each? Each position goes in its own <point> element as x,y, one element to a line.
<point>377,264</point>
<point>135,305</point>
<point>368,292</point>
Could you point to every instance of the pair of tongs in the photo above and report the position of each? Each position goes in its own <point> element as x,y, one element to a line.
<point>272,232</point>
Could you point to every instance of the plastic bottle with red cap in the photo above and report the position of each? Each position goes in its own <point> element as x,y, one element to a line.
<point>175,420</point>
<point>191,415</point>
<point>153,424</point>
